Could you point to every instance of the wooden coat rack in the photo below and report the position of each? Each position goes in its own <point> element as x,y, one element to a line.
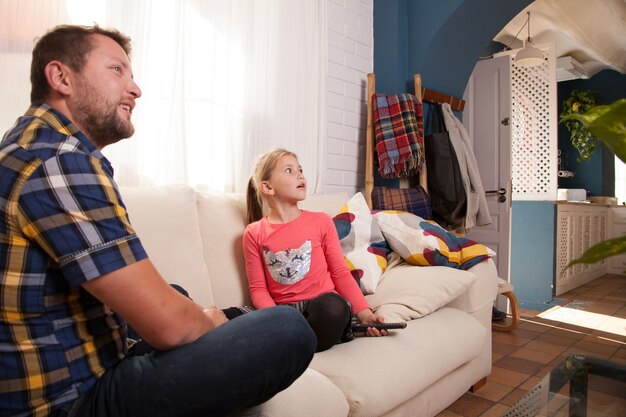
<point>432,96</point>
<point>422,94</point>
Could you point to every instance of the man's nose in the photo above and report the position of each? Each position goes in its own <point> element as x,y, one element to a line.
<point>134,89</point>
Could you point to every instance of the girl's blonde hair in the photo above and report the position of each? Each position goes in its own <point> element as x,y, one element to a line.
<point>262,170</point>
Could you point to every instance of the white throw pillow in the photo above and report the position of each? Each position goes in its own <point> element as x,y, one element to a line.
<point>362,243</point>
<point>409,292</point>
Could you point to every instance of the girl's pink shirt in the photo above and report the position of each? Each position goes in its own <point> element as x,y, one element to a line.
<point>327,271</point>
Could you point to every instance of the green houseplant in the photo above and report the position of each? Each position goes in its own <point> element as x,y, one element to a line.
<point>608,123</point>
<point>579,102</point>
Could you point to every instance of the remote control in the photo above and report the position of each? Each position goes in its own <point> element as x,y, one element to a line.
<point>362,327</point>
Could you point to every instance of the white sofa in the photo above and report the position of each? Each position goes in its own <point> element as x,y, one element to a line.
<point>194,238</point>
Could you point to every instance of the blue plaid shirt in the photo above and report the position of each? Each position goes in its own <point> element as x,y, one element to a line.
<point>62,223</point>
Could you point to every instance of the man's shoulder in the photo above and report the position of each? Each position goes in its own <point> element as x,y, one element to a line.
<point>33,138</point>
<point>45,132</point>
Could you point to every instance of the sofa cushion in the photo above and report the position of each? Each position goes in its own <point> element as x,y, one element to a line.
<point>409,292</point>
<point>311,395</point>
<point>222,221</point>
<point>424,242</point>
<point>362,243</point>
<point>166,221</point>
<point>378,373</point>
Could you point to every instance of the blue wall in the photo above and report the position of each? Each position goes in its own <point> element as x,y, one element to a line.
<point>533,253</point>
<point>441,40</point>
<point>597,175</point>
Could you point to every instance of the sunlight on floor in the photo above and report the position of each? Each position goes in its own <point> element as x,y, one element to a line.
<point>586,319</point>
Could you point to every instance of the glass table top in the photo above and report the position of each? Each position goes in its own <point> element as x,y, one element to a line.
<point>579,386</point>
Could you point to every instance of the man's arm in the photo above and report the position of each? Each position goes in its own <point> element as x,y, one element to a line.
<point>161,315</point>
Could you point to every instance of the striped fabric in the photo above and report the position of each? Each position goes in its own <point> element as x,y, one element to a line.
<point>414,200</point>
<point>399,132</point>
<point>61,224</point>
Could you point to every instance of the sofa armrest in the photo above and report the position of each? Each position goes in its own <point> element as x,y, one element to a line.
<point>483,290</point>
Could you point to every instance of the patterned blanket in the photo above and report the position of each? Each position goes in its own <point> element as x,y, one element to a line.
<point>399,131</point>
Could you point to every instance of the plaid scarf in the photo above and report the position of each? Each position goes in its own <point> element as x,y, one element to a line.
<point>399,129</point>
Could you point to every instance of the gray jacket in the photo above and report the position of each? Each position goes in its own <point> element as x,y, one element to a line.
<point>477,210</point>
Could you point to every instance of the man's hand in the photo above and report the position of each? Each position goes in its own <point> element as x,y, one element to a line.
<point>160,314</point>
<point>216,316</point>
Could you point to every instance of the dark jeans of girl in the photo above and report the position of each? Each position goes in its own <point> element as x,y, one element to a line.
<point>241,363</point>
<point>330,318</point>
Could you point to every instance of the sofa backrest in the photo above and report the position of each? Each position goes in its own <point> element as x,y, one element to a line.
<point>166,220</point>
<point>195,238</point>
<point>222,222</point>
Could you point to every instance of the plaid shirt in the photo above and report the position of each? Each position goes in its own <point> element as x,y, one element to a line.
<point>62,223</point>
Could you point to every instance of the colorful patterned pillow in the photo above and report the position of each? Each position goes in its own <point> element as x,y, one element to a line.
<point>425,243</point>
<point>362,243</point>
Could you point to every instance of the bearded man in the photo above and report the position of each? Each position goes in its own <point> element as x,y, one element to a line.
<point>73,272</point>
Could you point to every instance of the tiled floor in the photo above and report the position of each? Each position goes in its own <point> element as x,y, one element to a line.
<point>522,357</point>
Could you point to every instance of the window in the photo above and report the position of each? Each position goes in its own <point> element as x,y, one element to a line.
<point>222,81</point>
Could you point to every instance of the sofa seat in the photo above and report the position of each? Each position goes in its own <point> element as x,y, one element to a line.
<point>302,399</point>
<point>377,374</point>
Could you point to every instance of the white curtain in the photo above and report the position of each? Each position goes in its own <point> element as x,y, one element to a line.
<point>222,81</point>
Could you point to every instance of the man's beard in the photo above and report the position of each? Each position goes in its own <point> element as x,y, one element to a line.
<point>98,118</point>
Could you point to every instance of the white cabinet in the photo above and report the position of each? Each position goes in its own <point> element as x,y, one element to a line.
<point>579,226</point>
<point>617,222</point>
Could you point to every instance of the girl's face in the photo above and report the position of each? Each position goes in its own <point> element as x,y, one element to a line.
<point>287,180</point>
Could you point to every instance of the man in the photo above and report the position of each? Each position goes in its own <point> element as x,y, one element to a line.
<point>71,267</point>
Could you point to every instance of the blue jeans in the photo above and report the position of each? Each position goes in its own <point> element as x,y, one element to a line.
<point>242,363</point>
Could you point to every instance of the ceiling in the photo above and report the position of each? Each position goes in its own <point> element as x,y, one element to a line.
<point>593,32</point>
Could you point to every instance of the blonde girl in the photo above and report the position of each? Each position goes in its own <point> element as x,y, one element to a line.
<point>294,257</point>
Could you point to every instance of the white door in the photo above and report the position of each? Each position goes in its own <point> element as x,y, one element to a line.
<point>486,118</point>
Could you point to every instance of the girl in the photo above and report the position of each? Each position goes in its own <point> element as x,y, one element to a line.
<point>294,257</point>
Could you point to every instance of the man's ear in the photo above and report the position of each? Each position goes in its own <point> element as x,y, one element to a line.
<point>266,188</point>
<point>59,77</point>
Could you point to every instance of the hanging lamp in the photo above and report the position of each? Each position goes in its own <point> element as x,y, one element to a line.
<point>528,56</point>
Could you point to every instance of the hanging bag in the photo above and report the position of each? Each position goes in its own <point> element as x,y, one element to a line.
<point>445,183</point>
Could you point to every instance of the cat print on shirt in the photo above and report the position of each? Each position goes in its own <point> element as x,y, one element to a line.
<point>289,266</point>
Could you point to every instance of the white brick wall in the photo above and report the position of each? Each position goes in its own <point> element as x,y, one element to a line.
<point>350,58</point>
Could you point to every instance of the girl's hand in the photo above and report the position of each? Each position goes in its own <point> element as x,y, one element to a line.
<point>368,316</point>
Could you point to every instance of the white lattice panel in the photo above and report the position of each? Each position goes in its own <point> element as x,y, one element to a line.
<point>578,229</point>
<point>534,129</point>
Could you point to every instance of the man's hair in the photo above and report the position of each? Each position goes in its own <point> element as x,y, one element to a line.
<point>70,45</point>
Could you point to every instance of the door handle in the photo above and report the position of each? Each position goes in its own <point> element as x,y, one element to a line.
<point>501,192</point>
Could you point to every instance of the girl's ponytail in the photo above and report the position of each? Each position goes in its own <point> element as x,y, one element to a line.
<point>254,207</point>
